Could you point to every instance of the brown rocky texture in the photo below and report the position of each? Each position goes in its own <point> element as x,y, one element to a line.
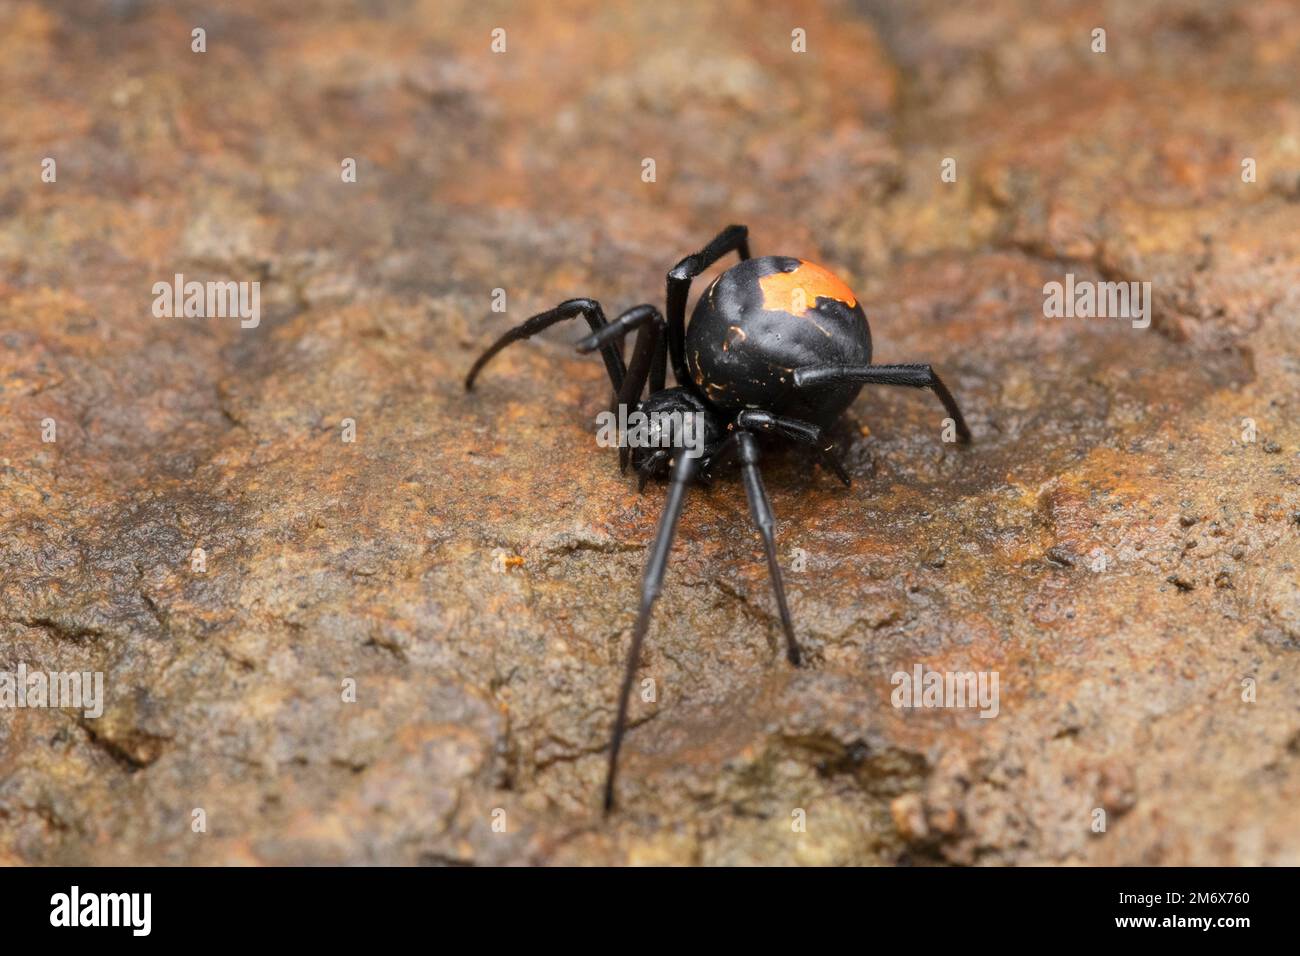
<point>1120,689</point>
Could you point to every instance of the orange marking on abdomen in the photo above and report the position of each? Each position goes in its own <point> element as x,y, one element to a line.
<point>796,292</point>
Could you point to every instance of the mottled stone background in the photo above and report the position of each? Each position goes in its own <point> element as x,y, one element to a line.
<point>1121,689</point>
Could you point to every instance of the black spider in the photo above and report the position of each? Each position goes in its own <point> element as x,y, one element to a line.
<point>775,345</point>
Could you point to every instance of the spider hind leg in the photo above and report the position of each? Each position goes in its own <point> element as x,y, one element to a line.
<point>913,376</point>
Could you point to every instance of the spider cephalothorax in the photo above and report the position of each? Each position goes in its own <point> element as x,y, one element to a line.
<point>775,345</point>
<point>673,421</point>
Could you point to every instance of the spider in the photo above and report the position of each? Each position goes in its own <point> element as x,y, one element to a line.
<point>776,346</point>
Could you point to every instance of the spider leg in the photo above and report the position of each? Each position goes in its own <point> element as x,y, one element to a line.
<point>588,309</point>
<point>803,432</point>
<point>648,323</point>
<point>651,584</point>
<point>648,466</point>
<point>732,239</point>
<point>743,446</point>
<point>914,376</point>
<point>659,367</point>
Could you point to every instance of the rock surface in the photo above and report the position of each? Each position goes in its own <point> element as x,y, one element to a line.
<point>1121,544</point>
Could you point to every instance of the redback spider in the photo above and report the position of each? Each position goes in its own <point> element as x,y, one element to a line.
<point>775,345</point>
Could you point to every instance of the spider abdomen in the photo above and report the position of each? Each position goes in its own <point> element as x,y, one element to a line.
<point>764,318</point>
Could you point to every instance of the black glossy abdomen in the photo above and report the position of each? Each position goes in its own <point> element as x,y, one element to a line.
<point>762,319</point>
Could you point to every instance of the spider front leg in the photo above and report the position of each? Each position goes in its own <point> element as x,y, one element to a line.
<point>588,309</point>
<point>651,584</point>
<point>743,446</point>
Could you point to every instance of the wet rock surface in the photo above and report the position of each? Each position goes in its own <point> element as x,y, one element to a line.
<point>1120,544</point>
